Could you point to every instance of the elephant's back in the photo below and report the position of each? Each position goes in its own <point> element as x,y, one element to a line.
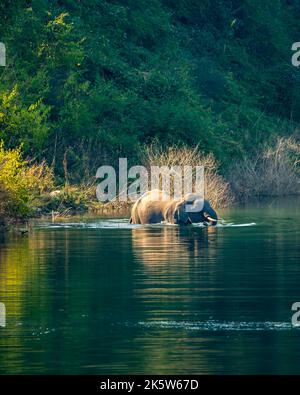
<point>155,195</point>
<point>151,212</point>
<point>151,206</point>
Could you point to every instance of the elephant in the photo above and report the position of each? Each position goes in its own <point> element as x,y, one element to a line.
<point>155,207</point>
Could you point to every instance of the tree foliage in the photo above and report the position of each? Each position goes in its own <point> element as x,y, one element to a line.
<point>90,81</point>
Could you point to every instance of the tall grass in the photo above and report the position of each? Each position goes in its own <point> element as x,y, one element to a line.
<point>271,171</point>
<point>216,188</point>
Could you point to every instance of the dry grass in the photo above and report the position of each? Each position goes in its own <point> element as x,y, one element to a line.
<point>272,171</point>
<point>40,177</point>
<point>216,189</point>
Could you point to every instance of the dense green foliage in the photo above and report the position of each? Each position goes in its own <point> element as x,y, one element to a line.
<point>21,183</point>
<point>88,81</point>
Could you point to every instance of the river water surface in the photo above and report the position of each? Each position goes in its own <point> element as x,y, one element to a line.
<point>100,296</point>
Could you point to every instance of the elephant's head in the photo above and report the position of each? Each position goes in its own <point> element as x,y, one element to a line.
<point>200,210</point>
<point>181,217</point>
<point>194,209</point>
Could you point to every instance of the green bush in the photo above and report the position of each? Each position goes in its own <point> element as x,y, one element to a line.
<point>13,186</point>
<point>20,182</point>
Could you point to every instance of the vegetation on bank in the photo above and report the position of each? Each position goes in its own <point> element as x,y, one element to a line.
<point>216,189</point>
<point>274,170</point>
<point>21,183</point>
<point>89,82</point>
<point>30,189</point>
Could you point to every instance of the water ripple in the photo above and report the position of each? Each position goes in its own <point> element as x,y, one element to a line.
<point>219,325</point>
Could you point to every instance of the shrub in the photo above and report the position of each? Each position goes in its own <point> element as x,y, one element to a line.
<point>20,182</point>
<point>216,189</point>
<point>39,178</point>
<point>69,199</point>
<point>14,191</point>
<point>271,171</point>
<point>72,197</point>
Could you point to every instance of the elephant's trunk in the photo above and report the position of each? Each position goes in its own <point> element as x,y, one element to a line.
<point>210,213</point>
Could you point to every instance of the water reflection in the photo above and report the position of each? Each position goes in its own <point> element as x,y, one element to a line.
<point>106,297</point>
<point>173,245</point>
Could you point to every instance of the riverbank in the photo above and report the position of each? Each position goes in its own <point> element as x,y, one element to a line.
<point>31,190</point>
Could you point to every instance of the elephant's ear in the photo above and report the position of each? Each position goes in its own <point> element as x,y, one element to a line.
<point>180,214</point>
<point>194,203</point>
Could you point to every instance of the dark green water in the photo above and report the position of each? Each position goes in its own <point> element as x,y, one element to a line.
<point>100,296</point>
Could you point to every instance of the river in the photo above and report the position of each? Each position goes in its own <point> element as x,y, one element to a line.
<point>101,296</point>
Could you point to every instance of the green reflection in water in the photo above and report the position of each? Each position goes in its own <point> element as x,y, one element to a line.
<point>101,296</point>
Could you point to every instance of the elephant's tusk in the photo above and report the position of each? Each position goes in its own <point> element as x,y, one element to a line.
<point>211,219</point>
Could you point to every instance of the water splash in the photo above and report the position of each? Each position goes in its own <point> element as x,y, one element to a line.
<point>224,224</point>
<point>219,326</point>
<point>123,223</point>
